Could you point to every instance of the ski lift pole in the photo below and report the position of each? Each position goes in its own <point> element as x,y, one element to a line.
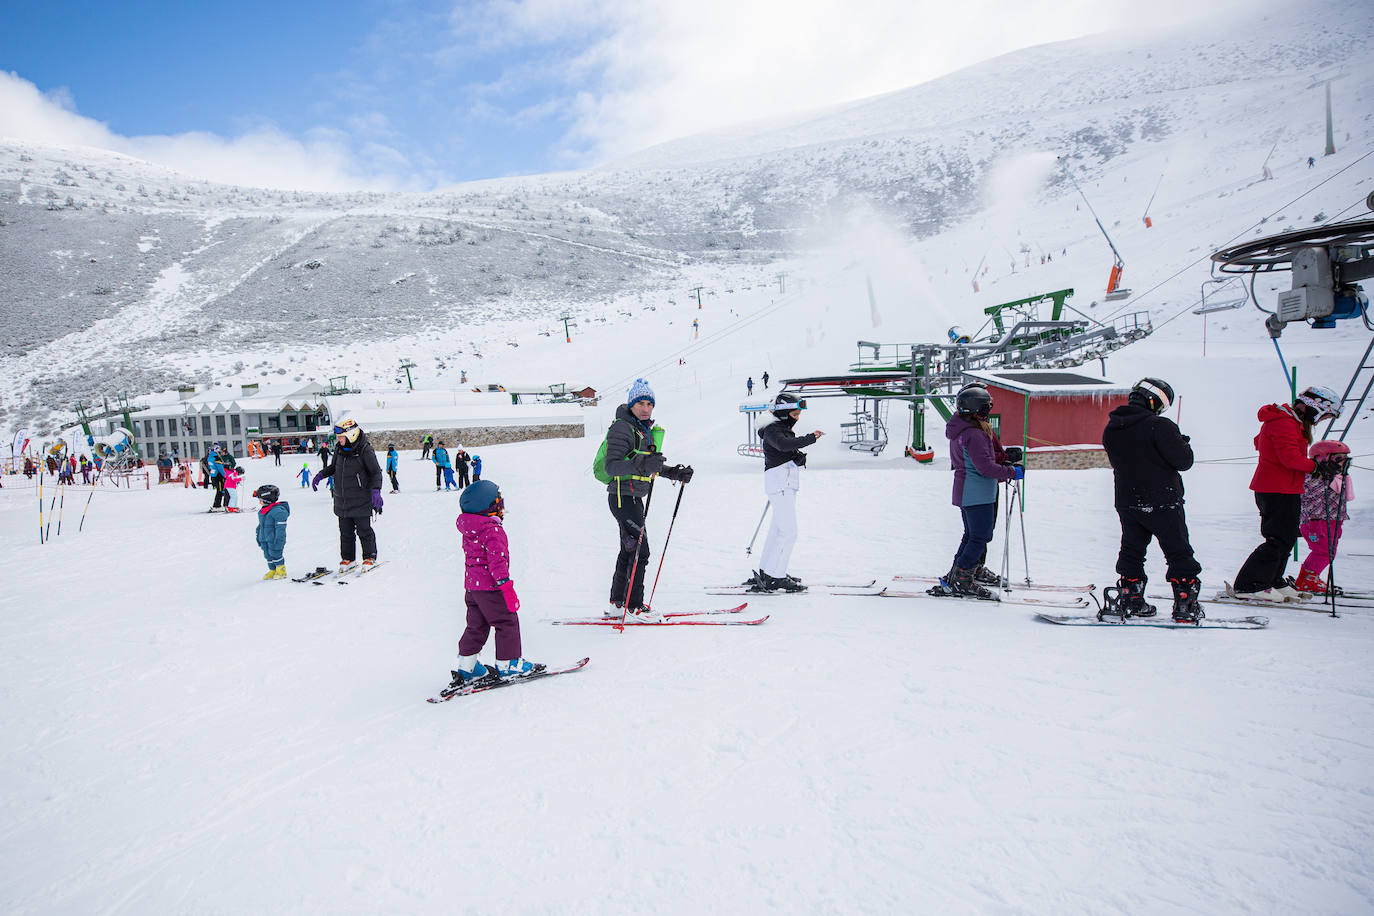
<point>662,554</point>
<point>757,528</point>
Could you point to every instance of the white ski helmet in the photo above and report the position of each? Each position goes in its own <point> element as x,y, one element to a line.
<point>1323,401</point>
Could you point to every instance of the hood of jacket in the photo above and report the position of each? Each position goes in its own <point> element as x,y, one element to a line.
<point>1276,412</point>
<point>1128,415</point>
<point>957,426</point>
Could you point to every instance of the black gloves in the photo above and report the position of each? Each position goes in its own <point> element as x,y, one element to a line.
<point>1331,467</point>
<point>682,473</point>
<point>800,459</point>
<point>1014,454</point>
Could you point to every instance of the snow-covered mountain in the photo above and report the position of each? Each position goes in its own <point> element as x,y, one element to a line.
<point>123,276</point>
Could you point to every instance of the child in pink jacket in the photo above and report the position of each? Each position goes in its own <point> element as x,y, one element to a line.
<point>490,593</point>
<point>1324,499</point>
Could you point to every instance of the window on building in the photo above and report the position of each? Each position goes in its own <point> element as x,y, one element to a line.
<point>274,421</point>
<point>162,427</point>
<point>219,424</point>
<point>176,448</point>
<point>238,448</point>
<point>234,423</point>
<point>147,427</point>
<point>312,422</point>
<point>292,422</point>
<point>194,449</point>
<point>205,425</point>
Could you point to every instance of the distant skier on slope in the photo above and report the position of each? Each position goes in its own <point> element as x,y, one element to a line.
<point>976,474</point>
<point>1147,453</point>
<point>783,460</point>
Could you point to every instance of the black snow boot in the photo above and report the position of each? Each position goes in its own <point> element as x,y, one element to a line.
<point>1186,607</point>
<point>985,576</point>
<point>1133,597</point>
<point>960,581</point>
<point>783,583</point>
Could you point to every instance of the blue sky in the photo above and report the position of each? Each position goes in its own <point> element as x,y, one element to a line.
<point>416,94</point>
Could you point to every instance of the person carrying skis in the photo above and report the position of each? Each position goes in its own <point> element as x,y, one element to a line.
<point>634,456</point>
<point>976,475</point>
<point>393,460</point>
<point>357,480</point>
<point>462,459</point>
<point>783,460</point>
<point>489,592</point>
<point>1325,494</point>
<point>1148,453</point>
<point>272,516</point>
<point>442,467</point>
<point>1284,436</point>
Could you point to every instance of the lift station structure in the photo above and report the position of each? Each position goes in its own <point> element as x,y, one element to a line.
<point>1015,335</point>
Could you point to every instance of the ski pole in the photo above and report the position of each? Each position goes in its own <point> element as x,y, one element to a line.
<point>53,502</point>
<point>61,504</point>
<point>757,528</point>
<point>664,552</point>
<point>1021,509</point>
<point>634,564</point>
<point>1006,542</point>
<point>41,539</point>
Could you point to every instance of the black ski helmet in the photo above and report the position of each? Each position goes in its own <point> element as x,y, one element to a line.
<point>1155,393</point>
<point>268,493</point>
<point>482,498</point>
<point>974,399</point>
<point>785,403</point>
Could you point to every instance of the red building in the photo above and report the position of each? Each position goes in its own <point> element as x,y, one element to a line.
<point>1056,415</point>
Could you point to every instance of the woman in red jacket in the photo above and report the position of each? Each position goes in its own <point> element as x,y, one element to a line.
<point>1285,433</point>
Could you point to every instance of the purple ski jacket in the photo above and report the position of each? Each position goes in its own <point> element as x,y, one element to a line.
<point>974,461</point>
<point>486,552</point>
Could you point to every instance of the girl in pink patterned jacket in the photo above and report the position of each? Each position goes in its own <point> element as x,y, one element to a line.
<point>490,592</point>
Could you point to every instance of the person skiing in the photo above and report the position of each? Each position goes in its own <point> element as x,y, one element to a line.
<point>271,534</point>
<point>976,475</point>
<point>443,468</point>
<point>765,380</point>
<point>232,476</point>
<point>393,461</point>
<point>476,468</point>
<point>1284,436</point>
<point>304,475</point>
<point>489,592</point>
<point>215,471</point>
<point>276,452</point>
<point>462,460</point>
<point>1148,453</point>
<point>1325,494</point>
<point>634,456</point>
<point>425,445</point>
<point>783,460</point>
<point>749,386</point>
<point>357,479</point>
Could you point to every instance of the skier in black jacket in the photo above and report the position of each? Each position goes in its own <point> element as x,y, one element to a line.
<point>1147,453</point>
<point>357,492</point>
<point>634,456</point>
<point>783,460</point>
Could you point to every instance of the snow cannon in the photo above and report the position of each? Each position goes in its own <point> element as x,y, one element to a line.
<point>58,448</point>
<point>958,335</point>
<point>111,446</point>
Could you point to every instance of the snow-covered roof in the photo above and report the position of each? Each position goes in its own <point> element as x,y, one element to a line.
<point>416,410</point>
<point>1050,382</point>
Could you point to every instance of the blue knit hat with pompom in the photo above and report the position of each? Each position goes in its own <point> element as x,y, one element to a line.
<point>640,391</point>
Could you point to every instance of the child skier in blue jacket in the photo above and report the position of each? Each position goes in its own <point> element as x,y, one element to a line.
<point>272,529</point>
<point>304,475</point>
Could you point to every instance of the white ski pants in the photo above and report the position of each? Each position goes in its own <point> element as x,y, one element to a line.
<point>782,533</point>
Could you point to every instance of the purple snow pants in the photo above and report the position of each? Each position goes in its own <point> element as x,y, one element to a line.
<point>488,611</point>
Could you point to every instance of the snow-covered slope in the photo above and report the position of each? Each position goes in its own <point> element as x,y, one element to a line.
<point>124,276</point>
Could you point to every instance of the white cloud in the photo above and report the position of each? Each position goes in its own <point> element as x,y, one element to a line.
<point>654,70</point>
<point>261,157</point>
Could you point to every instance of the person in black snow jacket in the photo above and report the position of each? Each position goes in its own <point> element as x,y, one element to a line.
<point>634,456</point>
<point>783,460</point>
<point>1147,453</point>
<point>357,492</point>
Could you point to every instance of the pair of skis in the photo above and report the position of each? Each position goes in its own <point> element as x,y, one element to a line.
<point>722,617</point>
<point>340,578</point>
<point>510,681</point>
